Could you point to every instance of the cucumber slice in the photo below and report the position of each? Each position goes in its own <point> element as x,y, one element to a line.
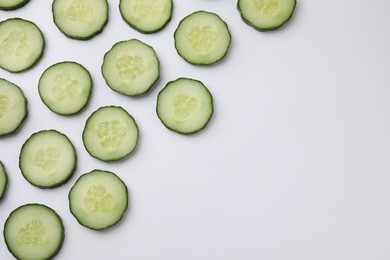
<point>80,19</point>
<point>21,44</point>
<point>98,199</point>
<point>110,134</point>
<point>7,5</point>
<point>65,87</point>
<point>3,180</point>
<point>185,106</point>
<point>47,159</point>
<point>34,231</point>
<point>202,38</point>
<point>13,107</point>
<point>146,16</point>
<point>266,15</point>
<point>131,67</point>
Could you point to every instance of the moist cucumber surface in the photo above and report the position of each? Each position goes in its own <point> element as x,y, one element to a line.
<point>185,105</point>
<point>146,16</point>
<point>266,15</point>
<point>131,67</point>
<point>110,134</point>
<point>3,180</point>
<point>80,19</point>
<point>202,38</point>
<point>13,107</point>
<point>12,4</point>
<point>21,44</point>
<point>47,159</point>
<point>98,199</point>
<point>65,87</point>
<point>33,231</point>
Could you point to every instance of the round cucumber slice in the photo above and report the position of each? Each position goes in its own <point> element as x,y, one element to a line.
<point>202,38</point>
<point>98,199</point>
<point>3,180</point>
<point>34,231</point>
<point>266,15</point>
<point>65,87</point>
<point>146,16</point>
<point>13,107</point>
<point>131,67</point>
<point>110,134</point>
<point>185,106</point>
<point>47,159</point>
<point>80,19</point>
<point>7,5</point>
<point>21,44</point>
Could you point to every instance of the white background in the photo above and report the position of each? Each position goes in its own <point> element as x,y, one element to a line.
<point>293,166</point>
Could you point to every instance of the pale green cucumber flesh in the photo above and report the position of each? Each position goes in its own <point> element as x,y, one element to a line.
<point>3,180</point>
<point>98,199</point>
<point>47,159</point>
<point>65,87</point>
<point>202,38</point>
<point>146,16</point>
<point>185,106</point>
<point>80,19</point>
<point>12,4</point>
<point>13,107</point>
<point>34,231</point>
<point>21,44</point>
<point>131,67</point>
<point>266,15</point>
<point>110,134</point>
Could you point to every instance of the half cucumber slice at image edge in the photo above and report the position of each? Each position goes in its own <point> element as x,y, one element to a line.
<point>80,20</point>
<point>21,44</point>
<point>110,134</point>
<point>65,87</point>
<point>13,108</point>
<point>47,159</point>
<point>185,106</point>
<point>8,5</point>
<point>131,67</point>
<point>3,180</point>
<point>266,15</point>
<point>98,200</point>
<point>34,231</point>
<point>202,38</point>
<point>146,16</point>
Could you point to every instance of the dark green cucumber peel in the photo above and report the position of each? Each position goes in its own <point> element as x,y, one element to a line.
<point>3,172</point>
<point>13,7</point>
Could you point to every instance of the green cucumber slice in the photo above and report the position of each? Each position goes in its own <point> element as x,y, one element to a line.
<point>3,180</point>
<point>47,159</point>
<point>131,67</point>
<point>13,107</point>
<point>80,19</point>
<point>185,106</point>
<point>98,199</point>
<point>202,38</point>
<point>146,16</point>
<point>21,44</point>
<point>65,87</point>
<point>34,231</point>
<point>7,5</point>
<point>266,15</point>
<point>110,134</point>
